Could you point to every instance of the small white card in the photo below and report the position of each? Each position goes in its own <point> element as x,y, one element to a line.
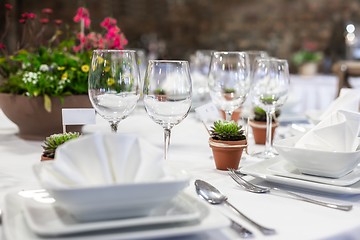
<point>78,116</point>
<point>208,112</point>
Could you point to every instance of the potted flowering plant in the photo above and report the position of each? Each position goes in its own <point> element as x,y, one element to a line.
<point>50,71</point>
<point>307,59</point>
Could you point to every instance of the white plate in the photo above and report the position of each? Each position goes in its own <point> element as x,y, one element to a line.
<point>46,219</point>
<point>286,169</point>
<point>261,170</point>
<point>16,228</point>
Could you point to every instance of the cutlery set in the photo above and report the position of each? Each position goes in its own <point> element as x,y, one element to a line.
<point>215,197</point>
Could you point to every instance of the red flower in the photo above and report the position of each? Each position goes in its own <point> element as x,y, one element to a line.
<point>22,20</point>
<point>47,10</point>
<point>2,46</point>
<point>31,15</point>
<point>8,6</point>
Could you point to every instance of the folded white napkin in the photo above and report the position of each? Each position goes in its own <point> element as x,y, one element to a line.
<point>337,132</point>
<point>349,99</point>
<point>102,159</point>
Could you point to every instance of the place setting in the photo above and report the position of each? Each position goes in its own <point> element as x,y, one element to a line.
<point>138,196</point>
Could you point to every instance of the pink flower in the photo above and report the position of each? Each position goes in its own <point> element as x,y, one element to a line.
<point>108,22</point>
<point>31,15</point>
<point>47,10</point>
<point>44,20</point>
<point>83,15</point>
<point>8,6</point>
<point>2,46</point>
<point>58,21</point>
<point>22,20</point>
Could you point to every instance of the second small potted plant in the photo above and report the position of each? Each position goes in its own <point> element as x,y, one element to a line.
<point>227,141</point>
<point>258,124</point>
<point>52,142</point>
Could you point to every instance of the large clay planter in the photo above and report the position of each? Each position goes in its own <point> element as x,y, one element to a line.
<point>34,122</point>
<point>227,154</point>
<point>259,131</point>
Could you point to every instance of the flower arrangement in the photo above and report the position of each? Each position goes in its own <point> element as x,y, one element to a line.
<point>49,60</point>
<point>307,54</point>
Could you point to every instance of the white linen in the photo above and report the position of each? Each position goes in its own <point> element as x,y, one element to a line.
<point>337,132</point>
<point>101,159</point>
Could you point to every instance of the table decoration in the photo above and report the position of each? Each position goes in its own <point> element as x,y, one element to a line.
<point>44,72</point>
<point>52,142</point>
<point>348,99</point>
<point>227,142</point>
<point>229,80</point>
<point>330,149</point>
<point>172,104</point>
<point>307,58</point>
<point>258,124</point>
<point>104,176</point>
<point>271,83</point>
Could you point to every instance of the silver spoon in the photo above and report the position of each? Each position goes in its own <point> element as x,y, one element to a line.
<point>248,186</point>
<point>214,196</point>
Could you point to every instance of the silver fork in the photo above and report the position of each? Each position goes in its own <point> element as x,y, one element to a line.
<point>248,186</point>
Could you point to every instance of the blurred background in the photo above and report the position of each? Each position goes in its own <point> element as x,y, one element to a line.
<point>175,29</point>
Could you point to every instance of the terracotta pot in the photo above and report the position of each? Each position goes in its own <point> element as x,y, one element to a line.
<point>43,158</point>
<point>259,131</point>
<point>34,122</point>
<point>235,116</point>
<point>227,154</point>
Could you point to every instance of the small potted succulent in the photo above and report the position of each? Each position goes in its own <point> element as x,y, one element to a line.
<point>160,94</point>
<point>229,95</point>
<point>52,142</point>
<point>258,124</point>
<point>227,141</point>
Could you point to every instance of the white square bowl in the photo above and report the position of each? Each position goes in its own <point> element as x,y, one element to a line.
<point>128,200</point>
<point>315,162</point>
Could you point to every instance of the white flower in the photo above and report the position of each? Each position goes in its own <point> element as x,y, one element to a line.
<point>30,77</point>
<point>44,68</point>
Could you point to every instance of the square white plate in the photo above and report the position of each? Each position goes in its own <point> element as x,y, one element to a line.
<point>261,170</point>
<point>15,226</point>
<point>286,169</point>
<point>46,219</point>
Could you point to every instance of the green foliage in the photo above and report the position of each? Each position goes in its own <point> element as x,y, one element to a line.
<point>227,131</point>
<point>46,71</point>
<point>52,142</point>
<point>306,56</point>
<point>260,114</point>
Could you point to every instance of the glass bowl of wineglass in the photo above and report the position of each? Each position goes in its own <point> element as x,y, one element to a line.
<point>114,84</point>
<point>229,80</point>
<point>167,94</point>
<point>271,82</point>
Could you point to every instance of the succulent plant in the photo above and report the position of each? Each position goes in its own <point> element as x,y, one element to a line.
<point>227,131</point>
<point>53,141</point>
<point>260,114</point>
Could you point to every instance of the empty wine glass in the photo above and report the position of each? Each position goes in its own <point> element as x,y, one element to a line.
<point>167,94</point>
<point>271,82</point>
<point>114,82</point>
<point>229,80</point>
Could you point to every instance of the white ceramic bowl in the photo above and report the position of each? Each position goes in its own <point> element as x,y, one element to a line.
<point>315,162</point>
<point>119,200</point>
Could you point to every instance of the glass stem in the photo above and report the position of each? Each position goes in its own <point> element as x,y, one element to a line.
<point>167,133</point>
<point>228,115</point>
<point>114,126</point>
<point>268,145</point>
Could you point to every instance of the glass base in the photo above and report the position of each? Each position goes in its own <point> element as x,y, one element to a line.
<point>265,154</point>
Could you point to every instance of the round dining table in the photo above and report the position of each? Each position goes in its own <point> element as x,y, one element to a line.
<point>189,151</point>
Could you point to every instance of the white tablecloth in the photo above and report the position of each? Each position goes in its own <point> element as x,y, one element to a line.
<point>189,150</point>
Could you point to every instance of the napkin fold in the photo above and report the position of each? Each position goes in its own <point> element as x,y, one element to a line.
<point>349,99</point>
<point>103,159</point>
<point>337,132</point>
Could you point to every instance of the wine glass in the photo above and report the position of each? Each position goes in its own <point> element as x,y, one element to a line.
<point>167,94</point>
<point>271,82</point>
<point>114,82</point>
<point>229,80</point>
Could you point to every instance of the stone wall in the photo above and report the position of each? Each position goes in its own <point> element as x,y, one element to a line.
<point>176,28</point>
